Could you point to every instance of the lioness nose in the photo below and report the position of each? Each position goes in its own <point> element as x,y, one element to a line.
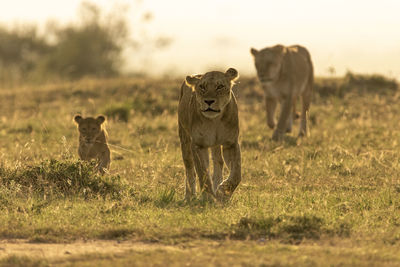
<point>209,102</point>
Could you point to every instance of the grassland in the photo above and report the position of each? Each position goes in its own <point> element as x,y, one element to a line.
<point>330,199</point>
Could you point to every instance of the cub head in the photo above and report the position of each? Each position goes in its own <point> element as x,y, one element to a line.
<point>268,62</point>
<point>89,128</point>
<point>213,91</point>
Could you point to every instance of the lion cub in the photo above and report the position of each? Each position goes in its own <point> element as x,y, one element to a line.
<point>93,141</point>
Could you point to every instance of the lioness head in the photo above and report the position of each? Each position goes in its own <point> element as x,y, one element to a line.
<point>213,91</point>
<point>89,128</point>
<point>268,62</point>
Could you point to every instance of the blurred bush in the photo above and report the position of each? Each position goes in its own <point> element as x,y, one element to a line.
<point>370,83</point>
<point>91,47</point>
<point>21,49</point>
<point>119,112</point>
<point>356,84</point>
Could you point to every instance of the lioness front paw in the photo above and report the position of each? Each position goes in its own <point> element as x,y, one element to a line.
<point>207,197</point>
<point>302,134</point>
<point>223,193</point>
<point>277,136</point>
<point>189,197</point>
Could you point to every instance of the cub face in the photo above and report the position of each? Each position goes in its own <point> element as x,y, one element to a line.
<point>213,91</point>
<point>268,62</point>
<point>89,128</point>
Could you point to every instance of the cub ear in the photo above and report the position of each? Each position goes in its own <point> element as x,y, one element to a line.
<point>232,74</point>
<point>100,119</point>
<point>191,81</point>
<point>254,51</point>
<point>78,119</point>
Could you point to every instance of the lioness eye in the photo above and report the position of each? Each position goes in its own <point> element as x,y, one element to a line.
<point>201,86</point>
<point>219,87</point>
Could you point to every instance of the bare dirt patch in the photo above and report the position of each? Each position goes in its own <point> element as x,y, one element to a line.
<point>50,251</point>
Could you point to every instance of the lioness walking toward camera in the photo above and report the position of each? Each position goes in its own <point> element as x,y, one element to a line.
<point>208,118</point>
<point>285,74</point>
<point>93,141</point>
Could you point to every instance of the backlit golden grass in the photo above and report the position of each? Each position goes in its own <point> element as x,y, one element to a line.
<point>334,196</point>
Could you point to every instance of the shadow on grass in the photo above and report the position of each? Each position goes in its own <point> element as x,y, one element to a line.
<point>120,233</point>
<point>48,235</point>
<point>287,229</point>
<point>290,229</point>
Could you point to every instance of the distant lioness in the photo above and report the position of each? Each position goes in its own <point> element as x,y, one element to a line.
<point>93,141</point>
<point>285,74</point>
<point>208,118</point>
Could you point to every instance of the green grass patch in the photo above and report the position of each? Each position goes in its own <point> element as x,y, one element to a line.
<point>22,261</point>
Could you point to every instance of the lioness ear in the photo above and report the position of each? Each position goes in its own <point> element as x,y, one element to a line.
<point>78,118</point>
<point>100,119</point>
<point>232,74</point>
<point>279,48</point>
<point>191,81</point>
<point>254,51</point>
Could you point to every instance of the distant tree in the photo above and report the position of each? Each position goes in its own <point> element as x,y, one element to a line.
<point>92,47</point>
<point>20,50</point>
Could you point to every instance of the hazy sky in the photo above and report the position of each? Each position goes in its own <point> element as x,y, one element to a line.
<point>358,35</point>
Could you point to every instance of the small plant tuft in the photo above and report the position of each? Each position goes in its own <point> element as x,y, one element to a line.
<point>165,198</point>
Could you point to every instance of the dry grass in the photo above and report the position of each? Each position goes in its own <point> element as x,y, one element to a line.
<point>339,187</point>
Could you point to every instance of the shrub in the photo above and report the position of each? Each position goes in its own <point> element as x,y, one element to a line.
<point>355,83</point>
<point>90,48</point>
<point>63,178</point>
<point>370,83</point>
<point>118,112</point>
